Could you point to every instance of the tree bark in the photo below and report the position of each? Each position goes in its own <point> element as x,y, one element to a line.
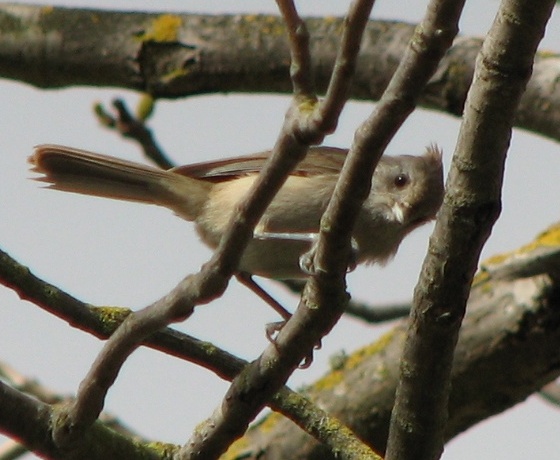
<point>509,347</point>
<point>509,343</point>
<point>172,56</point>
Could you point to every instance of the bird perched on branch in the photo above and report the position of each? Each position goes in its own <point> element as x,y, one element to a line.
<point>406,192</point>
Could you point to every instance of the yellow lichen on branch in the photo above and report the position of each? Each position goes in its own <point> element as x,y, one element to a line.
<point>545,245</point>
<point>164,28</point>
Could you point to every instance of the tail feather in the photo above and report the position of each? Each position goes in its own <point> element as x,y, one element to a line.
<point>78,171</point>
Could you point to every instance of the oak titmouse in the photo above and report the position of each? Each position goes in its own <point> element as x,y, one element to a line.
<point>406,192</point>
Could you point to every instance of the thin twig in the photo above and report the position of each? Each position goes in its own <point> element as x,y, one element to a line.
<point>378,313</point>
<point>339,85</point>
<point>258,381</point>
<point>301,72</point>
<point>134,128</point>
<point>103,321</point>
<point>373,314</point>
<point>178,305</point>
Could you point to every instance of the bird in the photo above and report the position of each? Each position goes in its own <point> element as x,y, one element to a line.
<point>406,192</point>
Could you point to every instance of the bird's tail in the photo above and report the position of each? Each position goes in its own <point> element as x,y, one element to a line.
<point>78,171</point>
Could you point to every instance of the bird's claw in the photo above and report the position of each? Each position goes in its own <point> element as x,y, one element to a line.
<point>307,260</point>
<point>353,258</point>
<point>272,330</point>
<point>307,263</point>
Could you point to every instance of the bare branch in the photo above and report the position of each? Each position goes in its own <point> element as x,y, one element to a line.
<point>37,416</point>
<point>369,313</point>
<point>307,123</point>
<point>345,64</point>
<point>178,305</point>
<point>301,72</point>
<point>218,54</point>
<point>103,321</point>
<point>258,381</point>
<point>504,355</point>
<point>134,128</point>
<point>72,422</point>
<point>508,341</point>
<point>471,206</point>
<point>378,313</point>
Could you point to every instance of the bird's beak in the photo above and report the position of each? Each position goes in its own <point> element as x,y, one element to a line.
<point>399,209</point>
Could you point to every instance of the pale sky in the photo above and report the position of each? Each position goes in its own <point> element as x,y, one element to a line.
<point>112,253</point>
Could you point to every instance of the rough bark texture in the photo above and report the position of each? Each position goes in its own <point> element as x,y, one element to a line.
<point>175,56</point>
<point>509,347</point>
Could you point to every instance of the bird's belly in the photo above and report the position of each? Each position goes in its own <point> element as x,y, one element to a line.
<point>274,258</point>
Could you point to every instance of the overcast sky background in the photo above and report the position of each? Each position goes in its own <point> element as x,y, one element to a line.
<point>112,253</point>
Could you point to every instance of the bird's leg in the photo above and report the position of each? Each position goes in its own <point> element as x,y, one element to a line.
<point>272,328</point>
<point>306,263</point>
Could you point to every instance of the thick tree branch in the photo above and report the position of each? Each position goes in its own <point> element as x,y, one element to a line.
<point>181,55</point>
<point>72,422</point>
<point>508,348</point>
<point>29,420</point>
<point>471,206</point>
<point>103,321</point>
<point>256,384</point>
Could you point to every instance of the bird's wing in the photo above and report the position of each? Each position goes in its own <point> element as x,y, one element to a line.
<point>318,161</point>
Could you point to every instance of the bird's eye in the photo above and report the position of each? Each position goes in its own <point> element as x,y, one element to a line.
<point>401,180</point>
